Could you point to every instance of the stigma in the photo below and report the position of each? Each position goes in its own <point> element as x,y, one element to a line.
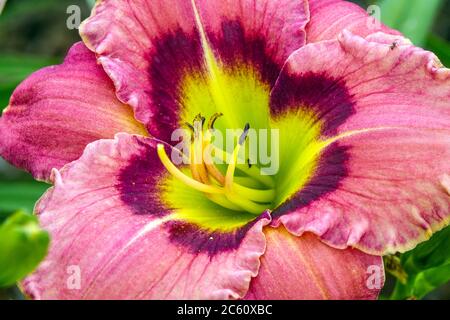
<point>248,191</point>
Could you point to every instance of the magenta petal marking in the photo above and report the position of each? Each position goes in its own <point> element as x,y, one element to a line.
<point>326,97</point>
<point>331,169</point>
<point>180,53</point>
<point>197,240</point>
<point>400,86</point>
<point>150,45</point>
<point>138,188</point>
<point>119,254</point>
<point>389,198</point>
<point>385,193</point>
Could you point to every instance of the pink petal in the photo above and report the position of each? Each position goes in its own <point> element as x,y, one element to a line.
<point>356,83</point>
<point>387,103</point>
<point>148,46</point>
<point>110,228</point>
<point>305,268</point>
<point>381,191</point>
<point>278,24</point>
<point>58,110</point>
<point>330,17</point>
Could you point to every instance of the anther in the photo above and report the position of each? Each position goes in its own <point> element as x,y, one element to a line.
<point>244,134</point>
<point>189,126</point>
<point>213,119</point>
<point>226,192</point>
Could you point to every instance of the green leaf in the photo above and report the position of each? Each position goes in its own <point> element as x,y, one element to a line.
<point>427,267</point>
<point>16,195</point>
<point>391,11</point>
<point>429,254</point>
<point>430,279</point>
<point>90,3</point>
<point>5,93</point>
<point>440,47</point>
<point>14,69</point>
<point>22,246</point>
<point>413,18</point>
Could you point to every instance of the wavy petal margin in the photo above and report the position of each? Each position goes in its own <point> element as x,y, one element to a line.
<point>103,249</point>
<point>58,110</point>
<point>390,193</point>
<point>390,82</point>
<point>380,183</point>
<point>330,17</point>
<point>149,46</point>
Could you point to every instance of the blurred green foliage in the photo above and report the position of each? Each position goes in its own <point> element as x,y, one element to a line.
<point>16,67</point>
<point>22,246</point>
<point>440,47</point>
<point>33,34</point>
<point>423,269</point>
<point>413,18</point>
<point>20,195</point>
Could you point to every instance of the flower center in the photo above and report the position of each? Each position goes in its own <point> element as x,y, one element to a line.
<point>240,187</point>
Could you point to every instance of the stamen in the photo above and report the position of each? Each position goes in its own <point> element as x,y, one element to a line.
<point>181,176</point>
<point>253,172</point>
<point>228,191</point>
<point>212,169</point>
<point>190,127</point>
<point>199,121</point>
<point>197,167</point>
<point>244,134</point>
<point>213,119</point>
<point>245,204</point>
<point>223,201</point>
<point>239,185</point>
<point>232,165</point>
<point>233,189</point>
<point>255,194</point>
<point>197,164</point>
<point>247,182</point>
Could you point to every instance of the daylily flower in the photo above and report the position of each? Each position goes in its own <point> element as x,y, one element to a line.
<point>364,147</point>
